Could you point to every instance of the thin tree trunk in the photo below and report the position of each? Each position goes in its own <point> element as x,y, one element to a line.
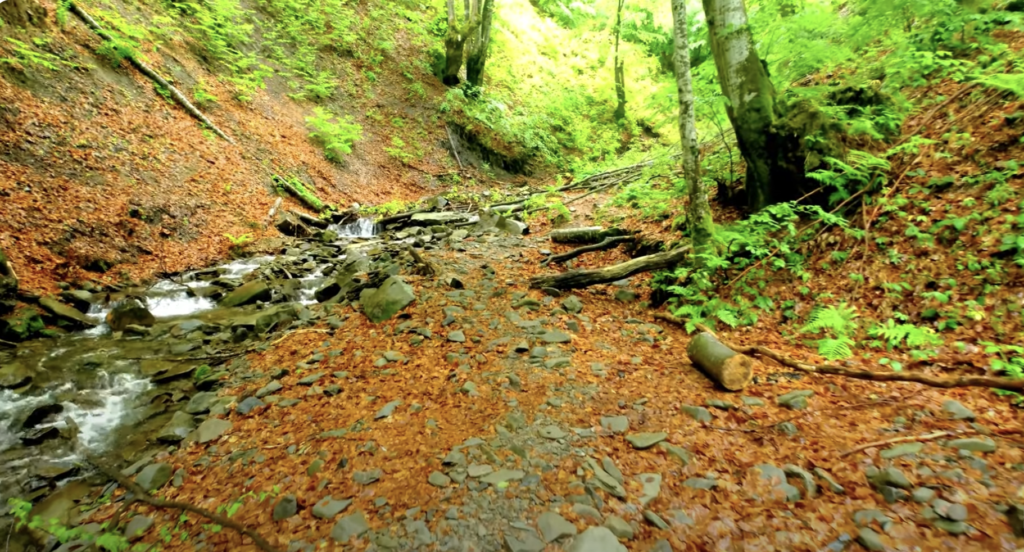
<point>455,42</point>
<point>698,214</point>
<point>745,83</point>
<point>620,70</point>
<point>476,57</point>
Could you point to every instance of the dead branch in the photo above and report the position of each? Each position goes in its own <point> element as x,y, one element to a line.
<point>909,438</point>
<point>943,383</point>
<point>577,279</point>
<point>149,73</point>
<point>608,243</point>
<point>424,267</point>
<point>454,151</point>
<point>140,495</point>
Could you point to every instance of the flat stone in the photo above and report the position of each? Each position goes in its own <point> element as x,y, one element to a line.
<point>439,479</point>
<point>286,507</point>
<point>526,542</point>
<point>268,389</point>
<point>211,429</point>
<point>680,517</point>
<point>974,445</point>
<point>956,512</point>
<point>720,404</point>
<point>137,527</point>
<point>555,336</point>
<point>751,401</point>
<point>619,527</point>
<point>955,410</point>
<point>327,507</point>
<point>605,480</point>
<point>888,476</point>
<point>698,413</point>
<point>901,450</point>
<point>572,304</point>
<point>651,483</point>
<point>611,469</point>
<point>771,473</point>
<point>863,518</point>
<point>479,470</point>
<point>553,527</point>
<point>804,476</point>
<point>789,492</point>
<point>352,525</point>
<point>597,539</point>
<point>457,336</point>
<point>682,455</point>
<point>387,410</point>
<point>175,430</point>
<point>552,432</point>
<point>641,441</point>
<point>787,428</point>
<point>655,520</point>
<point>829,480</point>
<point>615,424</point>
<point>154,476</point>
<point>367,477</point>
<point>587,512</point>
<point>503,476</point>
<point>795,399</point>
<point>311,379</point>
<point>248,405</point>
<point>952,527</point>
<point>700,483</point>
<point>200,402</point>
<point>869,539</point>
<point>922,494</point>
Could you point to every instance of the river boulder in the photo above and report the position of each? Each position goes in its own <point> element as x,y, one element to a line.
<point>129,312</point>
<point>247,294</point>
<point>14,376</point>
<point>65,315</point>
<point>79,298</point>
<point>383,303</point>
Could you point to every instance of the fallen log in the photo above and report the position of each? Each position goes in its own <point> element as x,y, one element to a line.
<point>913,377</point>
<point>720,363</point>
<point>576,279</point>
<point>588,234</point>
<point>299,192</point>
<point>149,73</point>
<point>310,220</point>
<point>608,243</point>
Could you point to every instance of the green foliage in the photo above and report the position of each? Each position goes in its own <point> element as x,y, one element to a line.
<point>905,335</point>
<point>202,96</point>
<point>239,241</point>
<point>860,170</point>
<point>389,208</point>
<point>335,134</point>
<point>25,57</point>
<point>299,188</point>
<point>103,540</point>
<point>837,322</point>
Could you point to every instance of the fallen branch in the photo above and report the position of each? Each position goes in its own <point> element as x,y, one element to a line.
<point>424,267</point>
<point>583,278</point>
<point>152,75</point>
<point>608,243</point>
<point>452,142</point>
<point>588,234</point>
<point>942,383</point>
<point>139,494</point>
<point>305,196</point>
<point>910,438</point>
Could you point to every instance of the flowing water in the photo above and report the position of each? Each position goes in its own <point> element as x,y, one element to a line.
<point>98,379</point>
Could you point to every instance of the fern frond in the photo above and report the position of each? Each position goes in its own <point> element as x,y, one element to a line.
<point>836,349</point>
<point>839,320</point>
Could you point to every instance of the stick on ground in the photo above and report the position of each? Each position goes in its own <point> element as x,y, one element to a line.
<point>608,243</point>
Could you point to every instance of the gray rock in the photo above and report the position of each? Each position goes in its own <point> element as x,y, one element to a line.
<point>200,402</point>
<point>922,495</point>
<point>68,315</point>
<point>651,483</point>
<point>572,304</point>
<point>287,507</point>
<point>385,302</point>
<point>751,401</point>
<point>796,400</point>
<point>352,525</point>
<point>641,441</point>
<point>457,336</point>
<point>771,473</point>
<point>211,429</point>
<point>367,477</point>
<point>611,469</point>
<point>154,476</point>
<point>552,432</point>
<point>863,518</point>
<point>980,444</point>
<point>869,539</point>
<point>502,476</point>
<point>387,410</point>
<point>479,470</point>
<point>655,520</point>
<point>787,428</point>
<point>553,527</point>
<point>720,404</point>
<point>827,478</point>
<point>311,379</point>
<point>555,336</point>
<point>892,495</point>
<point>679,453</point>
<point>439,479</point>
<point>901,450</point>
<point>888,476</point>
<point>625,296</point>
<point>177,428</point>
<point>527,542</point>
<point>615,424</point>
<point>680,517</point>
<point>327,507</point>
<point>700,483</point>
<point>956,512</point>
<point>246,294</point>
<point>587,512</point>
<point>605,480</point>
<point>137,527</point>
<point>619,527</point>
<point>791,493</point>
<point>268,389</point>
<point>597,539</point>
<point>698,413</point>
<point>955,410</point>
<point>804,476</point>
<point>248,405</point>
<point>952,527</point>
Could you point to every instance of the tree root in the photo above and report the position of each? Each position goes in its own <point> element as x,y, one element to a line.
<point>608,243</point>
<point>908,439</point>
<point>943,383</point>
<point>149,73</point>
<point>140,495</point>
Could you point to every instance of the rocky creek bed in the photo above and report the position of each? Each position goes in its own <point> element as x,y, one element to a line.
<point>349,397</point>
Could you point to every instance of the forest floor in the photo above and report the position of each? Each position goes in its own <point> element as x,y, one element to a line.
<point>500,418</point>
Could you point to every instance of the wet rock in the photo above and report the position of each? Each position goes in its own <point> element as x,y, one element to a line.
<point>439,479</point>
<point>65,314</point>
<point>367,477</point>
<point>54,470</point>
<point>39,435</point>
<point>137,527</point>
<point>247,294</point>
<point>869,539</point>
<point>248,405</point>
<point>287,507</point>
<point>212,429</point>
<point>385,302</point>
<point>651,483</point>
<point>180,425</point>
<point>974,445</point>
<point>641,441</point>
<point>129,312</point>
<point>327,507</point>
<point>901,450</point>
<point>350,526</point>
<point>553,527</point>
<point>14,376</point>
<point>154,476</point>
<point>619,527</point>
<point>597,539</point>
<point>80,299</point>
<point>387,410</point>
<point>698,413</point>
<point>524,543</point>
<point>955,410</point>
<point>40,414</point>
<point>201,402</point>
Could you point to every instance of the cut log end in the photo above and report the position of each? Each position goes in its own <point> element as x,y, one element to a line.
<point>720,363</point>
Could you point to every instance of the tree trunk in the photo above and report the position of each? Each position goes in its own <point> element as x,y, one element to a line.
<point>589,234</point>
<point>750,94</point>
<point>620,70</point>
<point>455,41</point>
<point>22,13</point>
<point>577,279</point>
<point>479,44</point>
<point>698,213</point>
<point>720,363</point>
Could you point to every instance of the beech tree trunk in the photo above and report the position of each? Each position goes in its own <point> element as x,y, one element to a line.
<point>751,96</point>
<point>720,363</point>
<point>479,44</point>
<point>620,70</point>
<point>22,13</point>
<point>455,41</point>
<point>698,213</point>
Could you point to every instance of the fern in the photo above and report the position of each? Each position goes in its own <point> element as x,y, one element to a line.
<point>897,335</point>
<point>839,320</point>
<point>839,348</point>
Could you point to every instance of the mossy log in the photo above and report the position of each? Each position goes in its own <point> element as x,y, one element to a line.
<point>720,363</point>
<point>590,234</point>
<point>608,243</point>
<point>577,279</point>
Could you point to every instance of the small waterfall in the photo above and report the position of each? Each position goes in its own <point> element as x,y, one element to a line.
<point>362,228</point>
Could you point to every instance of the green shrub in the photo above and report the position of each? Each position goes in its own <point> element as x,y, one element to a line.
<point>335,133</point>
